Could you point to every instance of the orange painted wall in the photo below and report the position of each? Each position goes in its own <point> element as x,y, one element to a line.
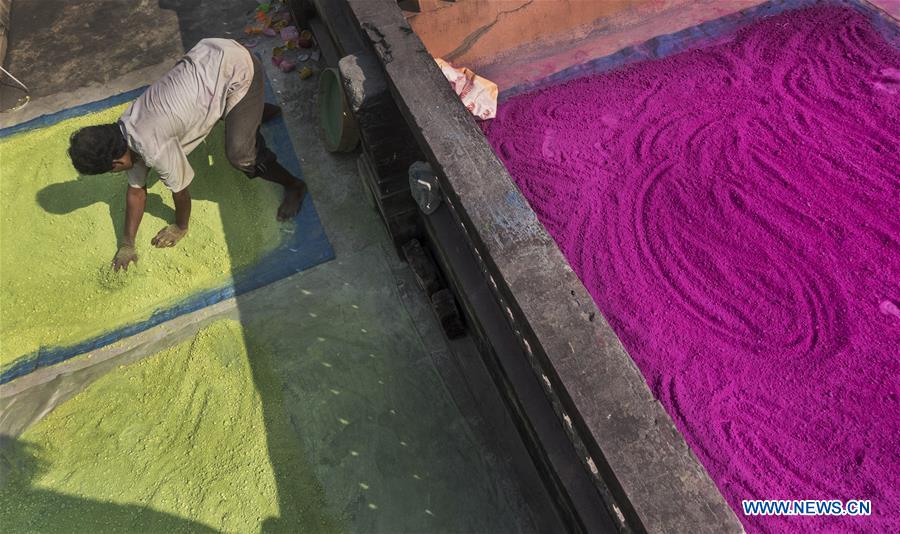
<point>515,41</point>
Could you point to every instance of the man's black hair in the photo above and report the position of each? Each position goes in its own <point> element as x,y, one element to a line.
<point>94,148</point>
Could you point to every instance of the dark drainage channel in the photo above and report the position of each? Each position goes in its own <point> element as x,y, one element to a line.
<point>579,503</point>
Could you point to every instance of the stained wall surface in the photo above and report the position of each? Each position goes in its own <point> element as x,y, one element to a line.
<point>516,41</point>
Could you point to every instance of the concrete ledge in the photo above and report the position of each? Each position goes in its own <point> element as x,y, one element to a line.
<point>627,441</point>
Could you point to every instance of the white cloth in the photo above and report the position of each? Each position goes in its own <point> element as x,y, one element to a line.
<point>178,111</point>
<point>478,94</point>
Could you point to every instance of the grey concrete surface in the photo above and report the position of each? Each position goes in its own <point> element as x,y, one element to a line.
<point>363,315</point>
<point>401,439</point>
<point>70,53</point>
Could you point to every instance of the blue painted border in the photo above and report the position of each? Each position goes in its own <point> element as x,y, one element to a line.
<point>673,43</point>
<point>306,247</point>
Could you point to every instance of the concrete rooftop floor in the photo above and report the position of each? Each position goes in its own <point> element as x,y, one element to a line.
<point>361,313</point>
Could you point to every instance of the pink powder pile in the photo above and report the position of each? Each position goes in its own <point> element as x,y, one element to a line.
<point>735,213</point>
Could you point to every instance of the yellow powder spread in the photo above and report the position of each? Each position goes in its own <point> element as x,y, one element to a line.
<point>59,232</point>
<point>180,441</point>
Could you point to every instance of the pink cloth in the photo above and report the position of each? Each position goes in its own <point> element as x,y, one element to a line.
<point>735,213</point>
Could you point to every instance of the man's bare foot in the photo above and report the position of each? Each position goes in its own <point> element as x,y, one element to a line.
<point>293,199</point>
<point>270,111</point>
<point>168,236</point>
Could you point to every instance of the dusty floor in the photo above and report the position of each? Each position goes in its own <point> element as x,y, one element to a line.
<point>414,439</point>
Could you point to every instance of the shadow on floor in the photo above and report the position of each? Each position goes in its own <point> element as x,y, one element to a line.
<point>294,484</point>
<point>62,198</point>
<point>39,510</point>
<point>93,60</point>
<point>198,20</point>
<point>354,381</point>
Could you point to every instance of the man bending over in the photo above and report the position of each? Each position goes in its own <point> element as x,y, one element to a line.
<point>217,79</point>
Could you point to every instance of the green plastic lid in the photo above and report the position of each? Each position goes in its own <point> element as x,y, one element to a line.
<point>339,130</point>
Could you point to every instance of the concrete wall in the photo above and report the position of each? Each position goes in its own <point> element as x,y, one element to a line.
<point>516,41</point>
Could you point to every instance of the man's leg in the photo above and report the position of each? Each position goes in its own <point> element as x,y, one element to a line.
<point>270,111</point>
<point>246,148</point>
<point>294,188</point>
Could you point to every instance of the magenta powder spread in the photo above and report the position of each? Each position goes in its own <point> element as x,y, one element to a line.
<point>735,213</point>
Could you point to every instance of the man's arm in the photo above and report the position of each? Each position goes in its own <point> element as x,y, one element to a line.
<point>175,171</point>
<point>135,201</point>
<point>168,236</point>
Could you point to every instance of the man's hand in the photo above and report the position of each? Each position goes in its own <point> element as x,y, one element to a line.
<point>123,257</point>
<point>168,236</point>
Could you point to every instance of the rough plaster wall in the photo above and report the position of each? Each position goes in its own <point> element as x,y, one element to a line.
<point>516,41</point>
<point>513,41</point>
